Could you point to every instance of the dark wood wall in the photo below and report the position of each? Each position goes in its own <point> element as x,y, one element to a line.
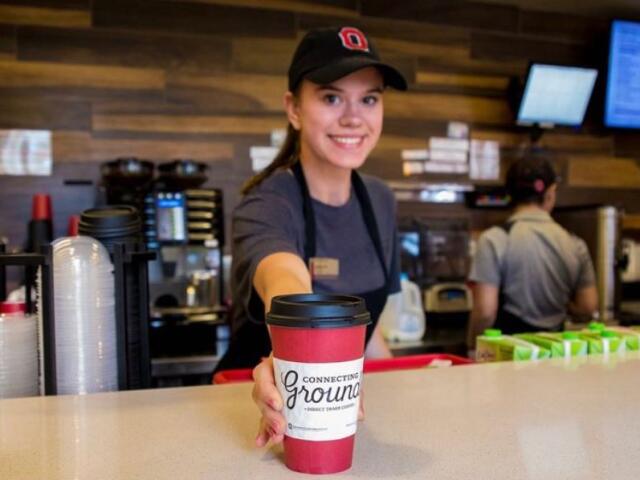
<point>204,79</point>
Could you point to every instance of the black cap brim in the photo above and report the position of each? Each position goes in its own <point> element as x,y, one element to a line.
<point>334,71</point>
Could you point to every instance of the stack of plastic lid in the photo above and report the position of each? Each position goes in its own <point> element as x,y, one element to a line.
<point>18,351</point>
<point>121,225</point>
<point>112,224</point>
<point>85,326</point>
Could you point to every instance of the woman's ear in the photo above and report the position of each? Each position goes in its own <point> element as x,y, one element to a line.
<point>291,107</point>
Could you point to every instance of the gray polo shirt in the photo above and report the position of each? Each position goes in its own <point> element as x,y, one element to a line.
<point>270,219</point>
<point>539,265</point>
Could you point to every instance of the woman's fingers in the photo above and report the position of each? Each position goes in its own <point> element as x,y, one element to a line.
<point>268,399</point>
<point>270,429</point>
<point>265,392</point>
<point>263,435</point>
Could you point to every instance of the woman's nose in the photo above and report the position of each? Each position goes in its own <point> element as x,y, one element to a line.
<point>351,115</point>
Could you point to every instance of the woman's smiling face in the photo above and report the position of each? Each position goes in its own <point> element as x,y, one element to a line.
<point>339,123</point>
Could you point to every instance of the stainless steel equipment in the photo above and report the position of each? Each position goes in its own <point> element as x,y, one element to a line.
<point>599,227</point>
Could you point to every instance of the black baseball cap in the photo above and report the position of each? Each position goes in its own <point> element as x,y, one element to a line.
<point>327,54</point>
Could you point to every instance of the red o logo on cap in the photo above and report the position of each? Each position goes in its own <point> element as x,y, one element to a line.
<point>353,39</point>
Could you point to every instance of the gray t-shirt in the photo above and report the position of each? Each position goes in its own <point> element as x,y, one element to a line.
<point>539,265</point>
<point>270,219</point>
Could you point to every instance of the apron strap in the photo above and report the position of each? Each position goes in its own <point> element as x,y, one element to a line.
<point>369,219</point>
<point>307,212</point>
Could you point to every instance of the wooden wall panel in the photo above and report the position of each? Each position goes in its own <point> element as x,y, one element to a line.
<point>262,56</point>
<point>474,15</point>
<point>187,124</point>
<point>265,91</point>
<point>205,79</point>
<point>507,47</point>
<point>7,42</point>
<point>44,74</point>
<point>69,147</point>
<point>55,17</point>
<point>19,111</point>
<point>127,49</point>
<point>470,64</point>
<point>603,172</point>
<point>447,107</point>
<point>401,30</point>
<point>347,8</point>
<point>552,141</point>
<point>58,4</point>
<point>188,18</point>
<point>562,27</point>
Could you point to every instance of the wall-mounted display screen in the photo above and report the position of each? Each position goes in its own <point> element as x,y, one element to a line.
<point>622,100</point>
<point>171,217</point>
<point>556,95</point>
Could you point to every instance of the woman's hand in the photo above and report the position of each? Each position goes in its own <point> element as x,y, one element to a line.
<point>268,399</point>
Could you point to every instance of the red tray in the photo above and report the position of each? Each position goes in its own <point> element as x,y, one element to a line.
<point>410,362</point>
<point>370,366</point>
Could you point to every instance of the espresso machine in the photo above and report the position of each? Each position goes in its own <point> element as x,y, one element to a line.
<point>183,223</point>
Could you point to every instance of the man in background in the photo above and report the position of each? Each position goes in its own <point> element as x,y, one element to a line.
<point>529,272</point>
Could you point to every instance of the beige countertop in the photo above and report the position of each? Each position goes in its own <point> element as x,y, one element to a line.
<point>550,420</point>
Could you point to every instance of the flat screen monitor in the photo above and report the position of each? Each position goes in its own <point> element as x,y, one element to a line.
<point>171,217</point>
<point>622,99</point>
<point>556,95</point>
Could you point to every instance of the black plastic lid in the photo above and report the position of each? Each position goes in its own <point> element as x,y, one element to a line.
<point>316,310</point>
<point>111,220</point>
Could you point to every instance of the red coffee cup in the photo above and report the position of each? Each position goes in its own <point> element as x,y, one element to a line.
<point>318,352</point>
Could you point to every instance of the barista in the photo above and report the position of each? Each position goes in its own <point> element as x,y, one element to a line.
<point>529,271</point>
<point>309,221</point>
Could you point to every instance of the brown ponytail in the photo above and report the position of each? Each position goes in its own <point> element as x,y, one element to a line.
<point>286,157</point>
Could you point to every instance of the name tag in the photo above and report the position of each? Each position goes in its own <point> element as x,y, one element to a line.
<point>324,267</point>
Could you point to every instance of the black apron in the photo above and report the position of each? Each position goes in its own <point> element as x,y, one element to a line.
<point>506,321</point>
<point>251,341</point>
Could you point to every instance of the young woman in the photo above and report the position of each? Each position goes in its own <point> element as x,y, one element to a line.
<point>309,222</point>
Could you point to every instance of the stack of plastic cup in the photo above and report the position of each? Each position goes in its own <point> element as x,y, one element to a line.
<point>85,325</point>
<point>18,351</point>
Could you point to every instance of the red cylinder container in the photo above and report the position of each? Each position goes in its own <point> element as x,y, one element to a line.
<point>318,348</point>
<point>41,207</point>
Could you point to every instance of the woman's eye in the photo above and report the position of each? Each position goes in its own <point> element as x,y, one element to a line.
<point>331,99</point>
<point>370,100</point>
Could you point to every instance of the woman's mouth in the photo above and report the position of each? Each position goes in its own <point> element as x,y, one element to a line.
<point>347,141</point>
